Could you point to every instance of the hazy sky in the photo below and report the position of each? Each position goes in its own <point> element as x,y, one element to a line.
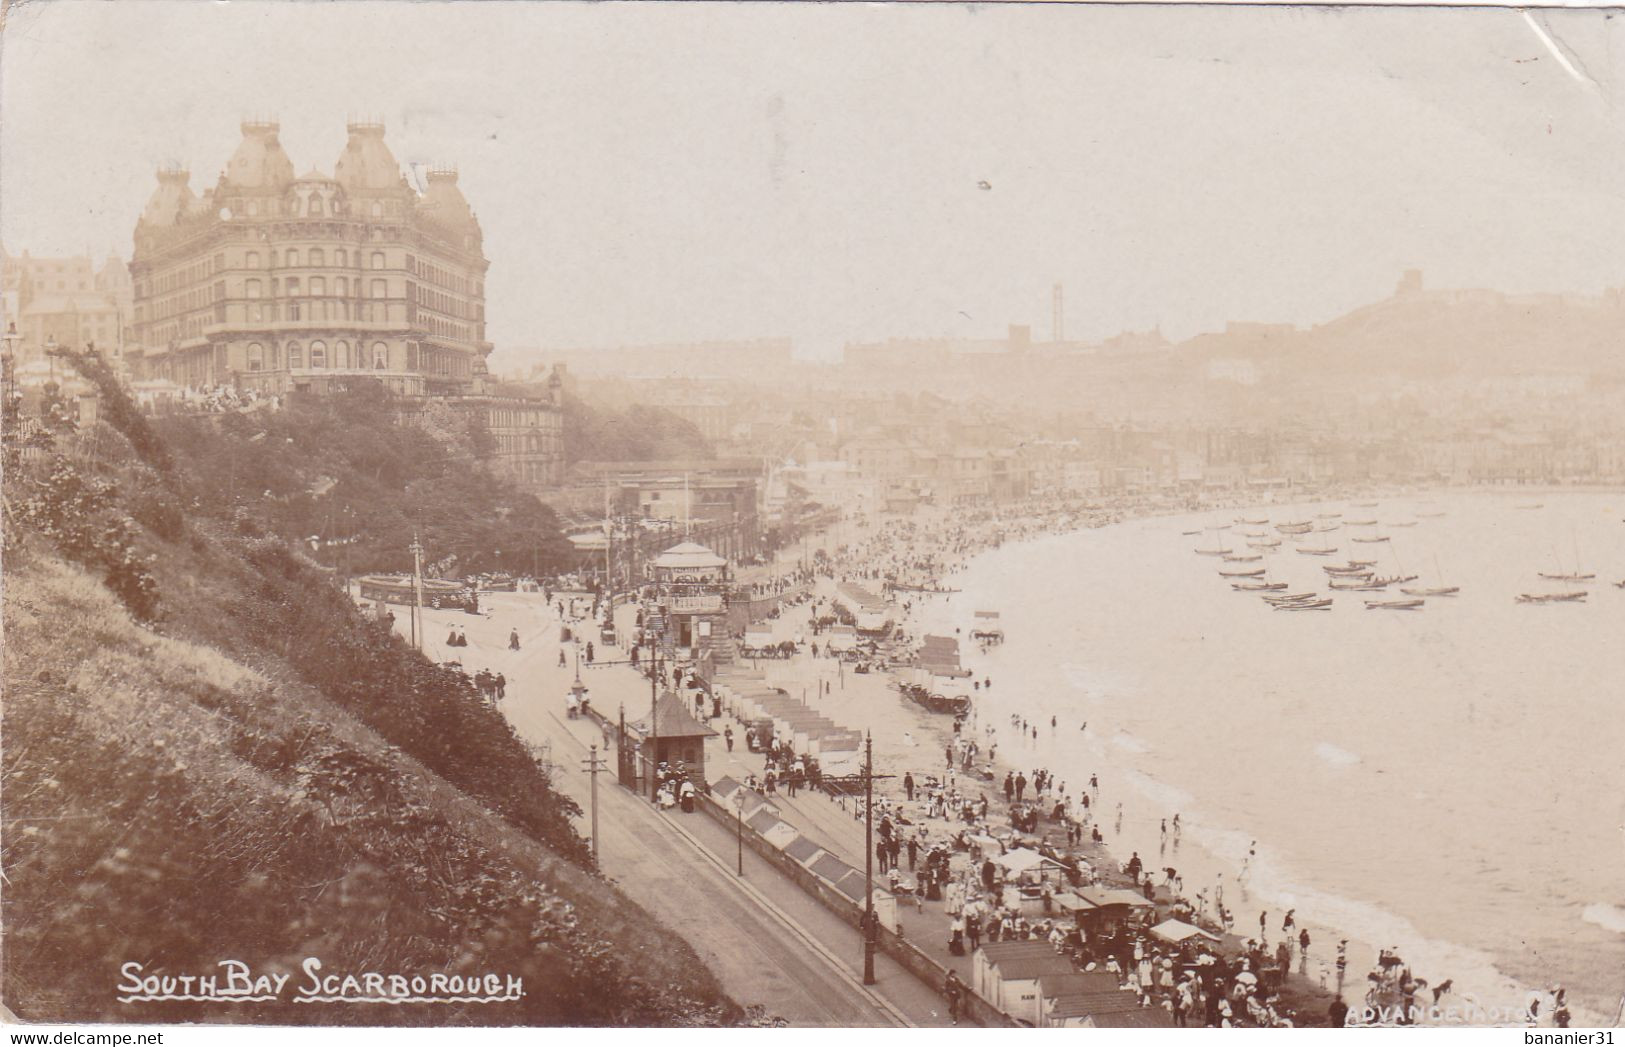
<point>653,172</point>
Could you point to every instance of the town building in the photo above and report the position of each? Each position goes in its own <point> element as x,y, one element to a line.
<point>69,302</point>
<point>280,283</point>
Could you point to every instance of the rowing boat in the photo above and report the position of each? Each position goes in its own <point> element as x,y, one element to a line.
<point>1307,605</point>
<point>1578,597</point>
<point>1393,605</point>
<point>1243,559</point>
<point>1258,573</point>
<point>1327,551</point>
<point>1442,590</point>
<point>1258,587</point>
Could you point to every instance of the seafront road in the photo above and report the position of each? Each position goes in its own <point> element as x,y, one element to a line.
<point>768,942</point>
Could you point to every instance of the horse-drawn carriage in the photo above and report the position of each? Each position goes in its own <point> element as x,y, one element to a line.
<point>934,701</point>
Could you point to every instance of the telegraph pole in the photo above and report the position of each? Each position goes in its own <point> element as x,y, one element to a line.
<point>654,728</point>
<point>592,766</point>
<point>868,858</point>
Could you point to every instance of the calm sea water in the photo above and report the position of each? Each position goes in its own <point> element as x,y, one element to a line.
<point>1450,781</point>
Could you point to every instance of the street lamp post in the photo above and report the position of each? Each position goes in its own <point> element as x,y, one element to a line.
<point>8,361</point>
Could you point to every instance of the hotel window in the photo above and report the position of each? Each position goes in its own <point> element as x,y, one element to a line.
<point>296,356</point>
<point>251,260</point>
<point>380,356</point>
<point>339,257</point>
<point>341,286</point>
<point>292,257</point>
<point>318,355</point>
<point>378,259</point>
<point>316,256</point>
<point>251,288</point>
<point>318,286</point>
<point>293,311</point>
<point>380,289</point>
<point>341,354</point>
<point>256,356</point>
<point>315,205</point>
<point>293,286</point>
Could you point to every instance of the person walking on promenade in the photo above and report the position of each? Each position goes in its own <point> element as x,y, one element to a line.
<point>1021,786</point>
<point>881,853</point>
<point>589,651</point>
<point>908,785</point>
<point>1289,923</point>
<point>728,736</point>
<point>1303,953</point>
<point>1263,926</point>
<point>954,989</point>
<point>502,686</point>
<point>913,852</point>
<point>561,658</point>
<point>1009,786</point>
<point>513,640</point>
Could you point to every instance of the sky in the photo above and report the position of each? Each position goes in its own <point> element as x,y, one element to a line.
<point>652,173</point>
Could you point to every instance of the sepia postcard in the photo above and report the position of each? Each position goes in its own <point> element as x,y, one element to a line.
<point>815,515</point>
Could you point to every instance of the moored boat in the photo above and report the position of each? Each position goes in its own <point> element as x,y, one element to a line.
<point>1324,551</point>
<point>1306,605</point>
<point>1254,558</point>
<point>1442,590</point>
<point>1374,538</point>
<point>1393,605</point>
<point>1296,527</point>
<point>1570,577</point>
<point>1578,597</point>
<point>1257,573</point>
<point>1258,587</point>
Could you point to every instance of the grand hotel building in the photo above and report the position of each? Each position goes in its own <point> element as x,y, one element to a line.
<point>279,282</point>
<point>308,284</point>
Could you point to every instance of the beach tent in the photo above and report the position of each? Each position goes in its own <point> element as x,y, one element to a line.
<point>1006,974</point>
<point>1028,865</point>
<point>1106,897</point>
<point>803,850</point>
<point>1177,931</point>
<point>1116,1009</point>
<point>1069,902</point>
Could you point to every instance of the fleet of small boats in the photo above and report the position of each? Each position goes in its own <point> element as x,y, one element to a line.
<point>1357,575</point>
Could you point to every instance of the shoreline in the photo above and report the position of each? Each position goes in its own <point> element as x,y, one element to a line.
<point>1088,515</point>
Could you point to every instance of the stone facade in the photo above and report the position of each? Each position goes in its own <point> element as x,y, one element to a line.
<point>285,283</point>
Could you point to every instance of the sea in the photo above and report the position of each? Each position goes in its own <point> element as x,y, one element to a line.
<point>1448,782</point>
